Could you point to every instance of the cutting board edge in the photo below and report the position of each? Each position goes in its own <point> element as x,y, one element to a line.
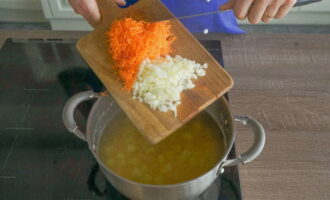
<point>229,87</point>
<point>78,44</point>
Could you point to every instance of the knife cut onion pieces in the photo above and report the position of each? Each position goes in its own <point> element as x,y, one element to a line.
<point>160,81</point>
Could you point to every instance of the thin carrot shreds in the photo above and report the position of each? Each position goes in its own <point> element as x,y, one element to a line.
<point>131,41</point>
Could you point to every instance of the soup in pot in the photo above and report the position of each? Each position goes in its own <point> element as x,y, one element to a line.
<point>188,153</point>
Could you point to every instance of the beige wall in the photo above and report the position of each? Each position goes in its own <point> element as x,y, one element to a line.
<point>21,11</point>
<point>21,4</point>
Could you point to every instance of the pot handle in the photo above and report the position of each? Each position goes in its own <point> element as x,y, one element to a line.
<point>257,146</point>
<point>68,111</point>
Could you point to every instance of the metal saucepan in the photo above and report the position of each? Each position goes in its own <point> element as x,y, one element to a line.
<point>105,108</point>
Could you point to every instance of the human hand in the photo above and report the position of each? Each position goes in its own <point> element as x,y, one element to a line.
<point>89,9</point>
<point>259,10</point>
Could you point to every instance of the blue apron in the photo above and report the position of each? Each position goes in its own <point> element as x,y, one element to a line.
<point>223,22</point>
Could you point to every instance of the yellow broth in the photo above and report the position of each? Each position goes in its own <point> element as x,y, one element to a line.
<point>186,154</point>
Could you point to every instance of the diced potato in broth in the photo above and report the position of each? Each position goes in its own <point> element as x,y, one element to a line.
<point>186,154</point>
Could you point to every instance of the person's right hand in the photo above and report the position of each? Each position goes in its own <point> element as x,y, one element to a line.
<point>89,9</point>
<point>259,10</point>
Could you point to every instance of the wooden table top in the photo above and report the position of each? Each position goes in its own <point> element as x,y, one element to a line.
<point>282,80</point>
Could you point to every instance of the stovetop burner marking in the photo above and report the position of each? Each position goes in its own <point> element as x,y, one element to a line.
<point>9,153</point>
<point>7,177</point>
<point>19,128</point>
<point>36,90</point>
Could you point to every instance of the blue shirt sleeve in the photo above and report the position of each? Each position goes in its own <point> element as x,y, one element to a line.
<point>223,22</point>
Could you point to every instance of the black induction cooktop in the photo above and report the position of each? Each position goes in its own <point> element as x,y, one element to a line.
<point>39,158</point>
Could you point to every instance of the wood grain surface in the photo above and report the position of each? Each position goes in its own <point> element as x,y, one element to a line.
<point>283,80</point>
<point>153,124</point>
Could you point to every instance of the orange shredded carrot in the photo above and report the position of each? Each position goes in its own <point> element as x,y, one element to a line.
<point>131,41</point>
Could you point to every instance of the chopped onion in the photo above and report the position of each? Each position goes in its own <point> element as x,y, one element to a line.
<point>161,81</point>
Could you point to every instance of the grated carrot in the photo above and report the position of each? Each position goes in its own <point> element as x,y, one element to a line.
<point>131,41</point>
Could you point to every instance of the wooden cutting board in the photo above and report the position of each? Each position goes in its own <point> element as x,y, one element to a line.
<point>154,125</point>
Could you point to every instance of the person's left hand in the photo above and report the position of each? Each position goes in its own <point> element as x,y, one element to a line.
<point>90,10</point>
<point>259,10</point>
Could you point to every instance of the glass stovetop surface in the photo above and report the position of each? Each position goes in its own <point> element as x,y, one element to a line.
<point>39,158</point>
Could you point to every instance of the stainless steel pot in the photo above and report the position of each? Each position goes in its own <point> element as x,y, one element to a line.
<point>106,108</point>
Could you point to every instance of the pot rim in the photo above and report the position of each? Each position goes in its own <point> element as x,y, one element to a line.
<point>217,165</point>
